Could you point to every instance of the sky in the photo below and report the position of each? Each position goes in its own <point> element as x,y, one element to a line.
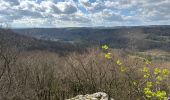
<point>83,13</point>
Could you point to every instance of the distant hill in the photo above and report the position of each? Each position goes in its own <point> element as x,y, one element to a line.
<point>9,38</point>
<point>135,38</point>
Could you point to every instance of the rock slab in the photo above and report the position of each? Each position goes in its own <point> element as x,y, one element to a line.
<point>95,96</point>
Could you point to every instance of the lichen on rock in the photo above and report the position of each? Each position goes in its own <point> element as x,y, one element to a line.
<point>95,96</point>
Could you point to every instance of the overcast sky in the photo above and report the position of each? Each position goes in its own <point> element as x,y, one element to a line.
<point>84,13</point>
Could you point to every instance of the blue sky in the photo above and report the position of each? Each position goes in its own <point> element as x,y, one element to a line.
<point>83,13</point>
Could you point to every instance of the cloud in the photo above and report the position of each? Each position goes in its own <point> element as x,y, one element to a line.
<point>66,7</point>
<point>84,12</point>
<point>12,2</point>
<point>48,7</point>
<point>78,17</point>
<point>86,3</point>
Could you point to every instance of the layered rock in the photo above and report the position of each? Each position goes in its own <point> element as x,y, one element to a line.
<point>95,96</point>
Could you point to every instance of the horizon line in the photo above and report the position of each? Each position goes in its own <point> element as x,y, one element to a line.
<point>83,27</point>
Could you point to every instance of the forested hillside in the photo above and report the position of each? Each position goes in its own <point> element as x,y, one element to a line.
<point>142,37</point>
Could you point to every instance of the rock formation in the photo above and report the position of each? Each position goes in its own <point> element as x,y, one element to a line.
<point>95,96</point>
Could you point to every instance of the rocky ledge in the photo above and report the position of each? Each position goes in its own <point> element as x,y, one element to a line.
<point>95,96</point>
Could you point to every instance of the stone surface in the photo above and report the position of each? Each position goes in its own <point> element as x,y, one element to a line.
<point>95,96</point>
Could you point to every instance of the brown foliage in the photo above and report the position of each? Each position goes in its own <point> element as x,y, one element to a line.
<point>41,75</point>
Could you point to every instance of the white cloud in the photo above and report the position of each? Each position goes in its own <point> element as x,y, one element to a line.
<point>86,3</point>
<point>66,7</point>
<point>12,2</point>
<point>84,12</point>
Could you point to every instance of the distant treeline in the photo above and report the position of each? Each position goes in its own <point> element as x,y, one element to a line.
<point>133,38</point>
